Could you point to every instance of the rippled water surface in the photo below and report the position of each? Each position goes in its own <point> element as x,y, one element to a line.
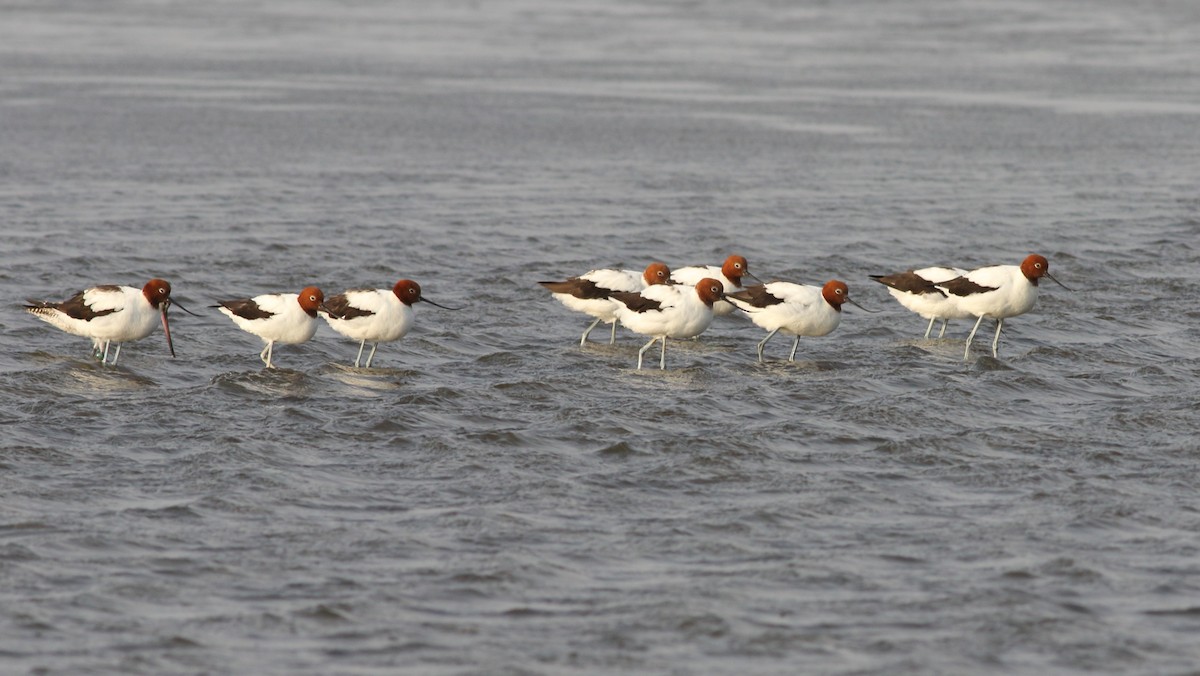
<point>490,498</point>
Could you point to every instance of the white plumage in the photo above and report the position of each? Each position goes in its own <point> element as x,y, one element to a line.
<point>110,314</point>
<point>668,311</point>
<point>729,273</point>
<point>917,291</point>
<point>998,292</point>
<point>287,318</point>
<point>375,315</point>
<point>590,293</point>
<point>795,309</point>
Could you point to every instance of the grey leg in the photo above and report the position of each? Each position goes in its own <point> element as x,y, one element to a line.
<point>583,340</point>
<point>361,345</point>
<point>996,340</point>
<point>643,351</point>
<point>929,328</point>
<point>795,344</point>
<point>967,349</point>
<point>763,343</point>
<point>374,346</point>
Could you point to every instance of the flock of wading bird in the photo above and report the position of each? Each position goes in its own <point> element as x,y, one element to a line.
<point>663,304</point>
<point>655,302</point>
<point>117,314</point>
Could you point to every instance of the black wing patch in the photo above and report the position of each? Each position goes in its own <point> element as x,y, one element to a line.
<point>74,307</point>
<point>245,308</point>
<point>909,282</point>
<point>961,286</point>
<point>342,308</point>
<point>580,288</point>
<point>636,301</point>
<point>756,296</point>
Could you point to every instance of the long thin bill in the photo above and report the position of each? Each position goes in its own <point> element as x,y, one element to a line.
<point>426,300</point>
<point>1057,282</point>
<point>860,307</point>
<point>176,304</point>
<point>167,330</point>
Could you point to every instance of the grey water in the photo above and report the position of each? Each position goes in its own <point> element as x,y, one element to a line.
<point>491,498</point>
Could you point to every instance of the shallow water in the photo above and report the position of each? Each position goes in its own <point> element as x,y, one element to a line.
<point>492,498</point>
